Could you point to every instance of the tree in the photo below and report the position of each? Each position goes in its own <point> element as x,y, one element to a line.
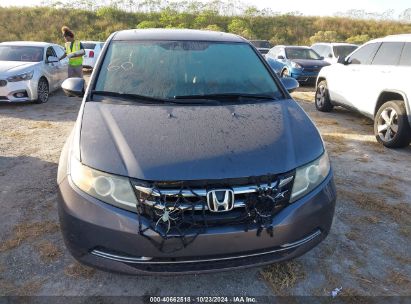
<point>240,27</point>
<point>324,36</point>
<point>213,27</point>
<point>147,24</point>
<point>358,39</point>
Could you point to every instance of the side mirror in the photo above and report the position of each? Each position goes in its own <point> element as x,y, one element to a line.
<point>322,57</point>
<point>330,55</point>
<point>343,60</point>
<point>290,84</point>
<point>73,87</point>
<point>52,59</point>
<point>280,57</point>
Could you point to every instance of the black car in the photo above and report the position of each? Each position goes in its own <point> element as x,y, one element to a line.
<point>189,155</point>
<point>263,46</point>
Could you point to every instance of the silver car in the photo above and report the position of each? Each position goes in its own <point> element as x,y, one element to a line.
<point>29,71</point>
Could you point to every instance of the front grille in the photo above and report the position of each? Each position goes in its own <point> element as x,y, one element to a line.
<point>182,209</point>
<point>311,69</point>
<point>3,83</point>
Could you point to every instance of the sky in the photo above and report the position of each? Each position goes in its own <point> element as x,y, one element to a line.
<point>307,7</point>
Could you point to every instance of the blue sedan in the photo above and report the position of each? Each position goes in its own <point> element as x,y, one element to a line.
<point>299,62</point>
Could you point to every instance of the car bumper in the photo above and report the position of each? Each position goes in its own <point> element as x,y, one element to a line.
<point>106,237</point>
<point>89,62</point>
<point>28,88</point>
<point>304,77</point>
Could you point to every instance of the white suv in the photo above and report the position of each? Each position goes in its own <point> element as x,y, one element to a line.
<point>332,51</point>
<point>374,80</point>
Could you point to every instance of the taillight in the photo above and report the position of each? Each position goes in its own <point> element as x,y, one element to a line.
<point>91,54</point>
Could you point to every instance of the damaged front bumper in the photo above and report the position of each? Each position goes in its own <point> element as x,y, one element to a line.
<point>107,237</point>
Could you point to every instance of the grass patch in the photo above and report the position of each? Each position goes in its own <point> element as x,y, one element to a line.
<point>48,251</point>
<point>325,122</point>
<point>400,280</point>
<point>27,231</point>
<point>282,275</point>
<point>390,189</point>
<point>77,270</point>
<point>27,289</point>
<point>14,134</point>
<point>374,202</point>
<point>41,125</point>
<point>336,144</point>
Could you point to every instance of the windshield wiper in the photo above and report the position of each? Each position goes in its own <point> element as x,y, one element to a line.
<point>227,96</point>
<point>130,96</point>
<point>147,99</point>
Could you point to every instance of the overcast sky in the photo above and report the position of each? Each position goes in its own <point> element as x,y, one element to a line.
<point>307,7</point>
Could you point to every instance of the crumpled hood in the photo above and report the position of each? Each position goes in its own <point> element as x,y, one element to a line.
<point>171,143</point>
<point>9,67</point>
<point>310,62</point>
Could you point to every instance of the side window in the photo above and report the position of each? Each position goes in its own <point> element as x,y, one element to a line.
<point>365,54</point>
<point>50,52</point>
<point>328,50</point>
<point>273,52</point>
<point>388,54</point>
<point>318,48</point>
<point>406,55</point>
<point>281,53</point>
<point>59,51</point>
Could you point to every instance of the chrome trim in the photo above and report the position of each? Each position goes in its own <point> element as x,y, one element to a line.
<point>147,260</point>
<point>203,192</point>
<point>160,206</point>
<point>121,258</point>
<point>285,181</point>
<point>302,241</point>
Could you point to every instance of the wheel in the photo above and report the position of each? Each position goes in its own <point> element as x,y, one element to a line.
<point>42,91</point>
<point>391,127</point>
<point>322,97</point>
<point>285,73</point>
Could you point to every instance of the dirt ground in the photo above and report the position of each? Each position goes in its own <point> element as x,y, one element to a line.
<point>367,252</point>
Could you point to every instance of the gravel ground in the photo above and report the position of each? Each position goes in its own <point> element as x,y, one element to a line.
<point>367,252</point>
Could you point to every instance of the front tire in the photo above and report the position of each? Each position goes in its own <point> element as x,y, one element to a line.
<point>322,98</point>
<point>43,91</point>
<point>391,127</point>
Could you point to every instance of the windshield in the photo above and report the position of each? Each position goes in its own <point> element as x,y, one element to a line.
<point>261,44</point>
<point>301,53</point>
<point>343,50</point>
<point>21,53</point>
<point>88,45</point>
<point>165,69</point>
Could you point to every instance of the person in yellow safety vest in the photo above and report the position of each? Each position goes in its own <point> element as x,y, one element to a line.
<point>74,51</point>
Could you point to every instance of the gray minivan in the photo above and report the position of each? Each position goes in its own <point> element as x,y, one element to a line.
<point>189,155</point>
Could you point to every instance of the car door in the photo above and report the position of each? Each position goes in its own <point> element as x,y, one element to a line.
<point>347,83</point>
<point>403,74</point>
<point>271,58</point>
<point>62,65</point>
<point>382,75</point>
<point>51,69</point>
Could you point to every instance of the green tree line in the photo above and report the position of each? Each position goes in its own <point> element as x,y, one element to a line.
<point>43,23</point>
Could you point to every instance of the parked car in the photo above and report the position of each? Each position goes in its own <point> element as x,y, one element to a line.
<point>92,50</point>
<point>263,46</point>
<point>373,80</point>
<point>176,167</point>
<point>29,71</point>
<point>299,62</point>
<point>332,51</point>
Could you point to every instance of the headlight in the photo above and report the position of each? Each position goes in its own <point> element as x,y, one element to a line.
<point>21,77</point>
<point>112,189</point>
<point>310,176</point>
<point>295,65</point>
